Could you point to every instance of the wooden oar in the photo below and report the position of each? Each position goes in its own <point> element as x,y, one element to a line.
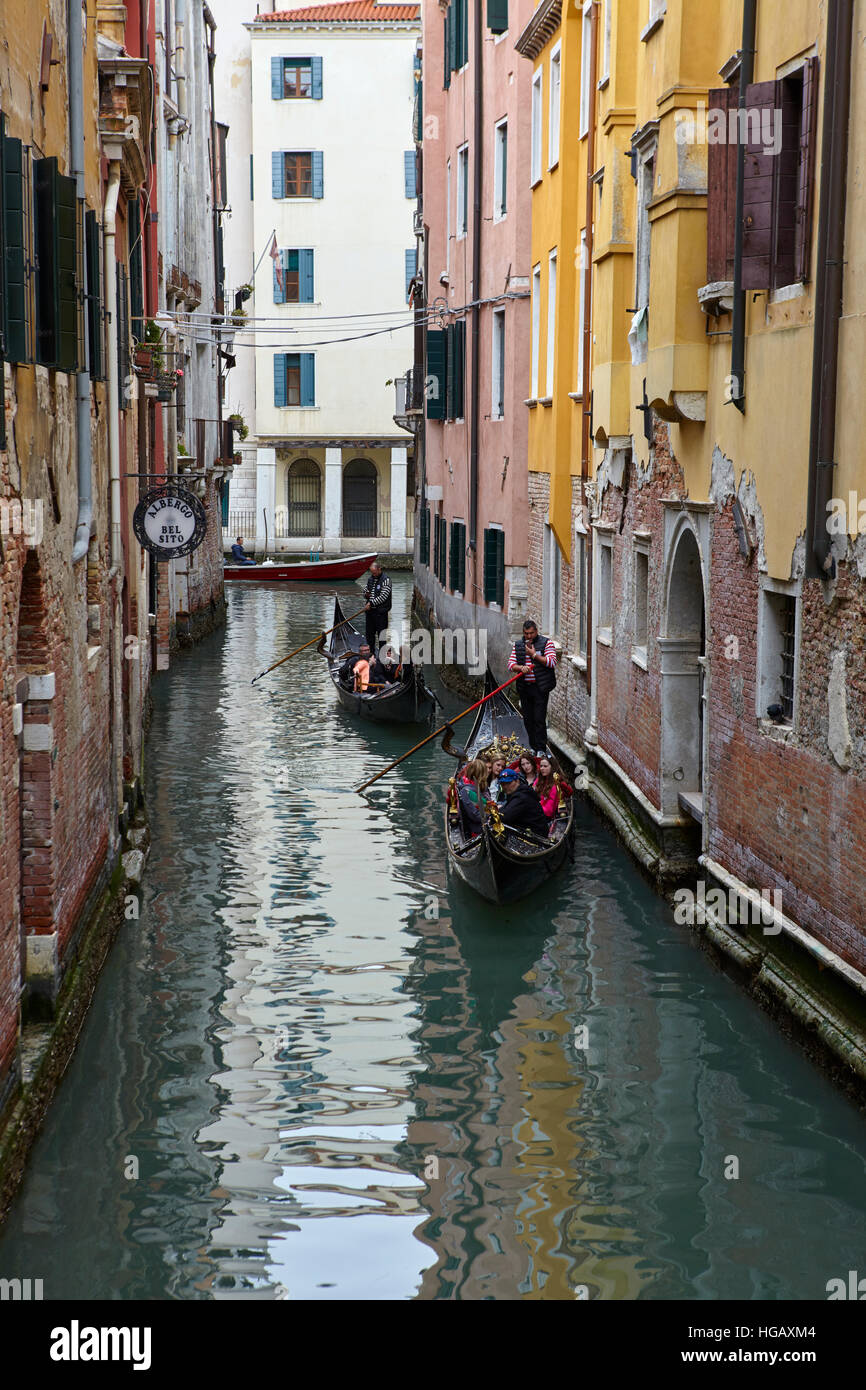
<point>437,732</point>
<point>318,637</point>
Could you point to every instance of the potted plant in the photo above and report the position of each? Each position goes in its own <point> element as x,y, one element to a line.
<point>148,351</point>
<point>239,424</point>
<point>238,317</point>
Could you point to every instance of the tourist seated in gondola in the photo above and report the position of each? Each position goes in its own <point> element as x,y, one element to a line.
<point>384,670</point>
<point>472,789</point>
<point>551,788</point>
<point>355,670</point>
<point>522,808</point>
<point>496,765</point>
<point>528,768</point>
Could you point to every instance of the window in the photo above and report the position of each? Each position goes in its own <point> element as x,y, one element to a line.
<point>455,359</point>
<point>721,184</point>
<point>494,566</point>
<point>57,250</point>
<point>552,615</point>
<point>605,588</point>
<point>553,123</point>
<point>497,405</point>
<point>535,138</point>
<point>551,324</point>
<point>582,273</point>
<point>434,385</point>
<point>410,181</point>
<point>124,375</point>
<point>440,540</point>
<point>581,579</point>
<point>778,178</point>
<point>424,536</point>
<point>294,378</point>
<point>500,171</point>
<point>462,190</point>
<point>457,568</point>
<point>639,600</point>
<point>136,269</point>
<point>296,77</point>
<point>585,67</point>
<point>605,61</point>
<point>93,263</point>
<point>17,222</point>
<point>360,494</point>
<point>497,16</point>
<point>657,10</point>
<point>410,265</point>
<point>644,153</point>
<point>536,330</point>
<point>447,218</point>
<point>296,269</point>
<point>297,174</point>
<point>778,641</point>
<point>304,498</point>
<point>456,38</point>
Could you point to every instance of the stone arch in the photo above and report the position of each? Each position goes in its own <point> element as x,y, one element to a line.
<point>304,498</point>
<point>360,494</point>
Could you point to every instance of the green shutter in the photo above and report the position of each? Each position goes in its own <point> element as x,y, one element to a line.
<point>434,388</point>
<point>457,558</point>
<point>57,255</point>
<point>424,544</point>
<point>494,566</point>
<point>123,358</point>
<point>15,297</point>
<point>500,568</point>
<point>136,270</point>
<point>277,88</point>
<point>308,378</point>
<point>449,372</point>
<point>94,297</point>
<point>279,378</point>
<point>497,16</point>
<point>455,365</point>
<point>446,47</point>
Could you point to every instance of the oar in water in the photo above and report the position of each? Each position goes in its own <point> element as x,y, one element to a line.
<point>436,733</point>
<point>318,637</point>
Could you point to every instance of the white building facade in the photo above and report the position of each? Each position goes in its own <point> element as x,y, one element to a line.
<point>333,181</point>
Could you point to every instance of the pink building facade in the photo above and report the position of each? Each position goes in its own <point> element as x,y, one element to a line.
<point>473,292</point>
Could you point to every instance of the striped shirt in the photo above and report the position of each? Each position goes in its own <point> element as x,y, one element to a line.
<point>384,595</point>
<point>549,660</point>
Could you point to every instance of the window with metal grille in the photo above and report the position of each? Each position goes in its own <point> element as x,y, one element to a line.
<point>304,487</point>
<point>786,673</point>
<point>777,642</point>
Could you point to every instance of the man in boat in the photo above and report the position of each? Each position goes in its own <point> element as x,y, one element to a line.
<point>383,668</point>
<point>522,808</point>
<point>378,603</point>
<point>357,663</point>
<point>534,657</point>
<point>239,555</point>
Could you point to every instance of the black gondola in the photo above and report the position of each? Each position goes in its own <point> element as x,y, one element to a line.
<point>500,863</point>
<point>407,702</point>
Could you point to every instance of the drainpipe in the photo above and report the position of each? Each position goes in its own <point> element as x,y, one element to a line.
<point>829,286</point>
<point>112,193</point>
<point>477,164</point>
<point>84,525</point>
<point>738,335</point>
<point>586,382</point>
<point>180,54</point>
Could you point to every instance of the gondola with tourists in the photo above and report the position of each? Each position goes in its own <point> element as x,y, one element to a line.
<point>500,862</point>
<point>405,701</point>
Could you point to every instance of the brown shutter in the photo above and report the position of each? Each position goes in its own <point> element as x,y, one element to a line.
<point>806,172</point>
<point>758,188</point>
<point>721,192</point>
<point>785,190</point>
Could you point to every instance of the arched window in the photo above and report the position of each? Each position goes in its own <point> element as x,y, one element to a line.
<point>359,498</point>
<point>304,482</point>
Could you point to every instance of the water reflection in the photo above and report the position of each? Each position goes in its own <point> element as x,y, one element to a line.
<point>340,1075</point>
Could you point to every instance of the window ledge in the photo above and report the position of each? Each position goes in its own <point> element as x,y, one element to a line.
<point>651,28</point>
<point>575,395</point>
<point>533,183</point>
<point>786,292</point>
<point>604,82</point>
<point>779,733</point>
<point>638,656</point>
<point>554,165</point>
<point>605,637</point>
<point>545,400</point>
<point>578,661</point>
<point>499,216</point>
<point>497,418</point>
<point>717,298</point>
<point>297,407</point>
<point>532,402</point>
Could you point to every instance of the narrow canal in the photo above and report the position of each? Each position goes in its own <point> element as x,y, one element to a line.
<point>298,1081</point>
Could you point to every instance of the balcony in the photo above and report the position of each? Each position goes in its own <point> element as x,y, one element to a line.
<point>409,399</point>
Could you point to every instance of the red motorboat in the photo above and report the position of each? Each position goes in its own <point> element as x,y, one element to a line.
<point>344,567</point>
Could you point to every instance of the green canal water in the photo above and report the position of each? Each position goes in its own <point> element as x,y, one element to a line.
<point>319,1067</point>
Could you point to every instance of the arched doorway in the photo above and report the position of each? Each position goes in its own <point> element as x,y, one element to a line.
<point>304,484</point>
<point>359,498</point>
<point>682,675</point>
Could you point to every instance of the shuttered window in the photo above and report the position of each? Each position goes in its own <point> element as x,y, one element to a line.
<point>296,77</point>
<point>446,47</point>
<point>295,378</point>
<point>458,35</point>
<point>721,186</point>
<point>424,536</point>
<point>440,545</point>
<point>778,194</point>
<point>434,389</point>
<point>409,179</point>
<point>16,296</point>
<point>56,223</point>
<point>297,174</point>
<point>297,265</point>
<point>93,261</point>
<point>457,568</point>
<point>497,16</point>
<point>123,356</point>
<point>494,566</point>
<point>455,358</point>
<point>410,266</point>
<point>136,270</point>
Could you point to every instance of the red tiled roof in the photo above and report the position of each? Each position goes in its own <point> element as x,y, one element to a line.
<point>353,10</point>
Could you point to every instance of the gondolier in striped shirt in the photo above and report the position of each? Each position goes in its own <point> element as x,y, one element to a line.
<point>535,657</point>
<point>378,603</point>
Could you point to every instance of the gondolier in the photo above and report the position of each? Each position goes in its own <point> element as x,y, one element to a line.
<point>378,605</point>
<point>535,657</point>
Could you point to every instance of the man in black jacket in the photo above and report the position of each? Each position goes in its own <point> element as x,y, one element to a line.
<point>347,670</point>
<point>522,807</point>
<point>378,603</point>
<point>535,658</point>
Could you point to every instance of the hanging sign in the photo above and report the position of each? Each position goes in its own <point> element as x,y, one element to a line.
<point>169,521</point>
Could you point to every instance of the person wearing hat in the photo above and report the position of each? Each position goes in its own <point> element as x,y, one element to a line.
<point>522,807</point>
